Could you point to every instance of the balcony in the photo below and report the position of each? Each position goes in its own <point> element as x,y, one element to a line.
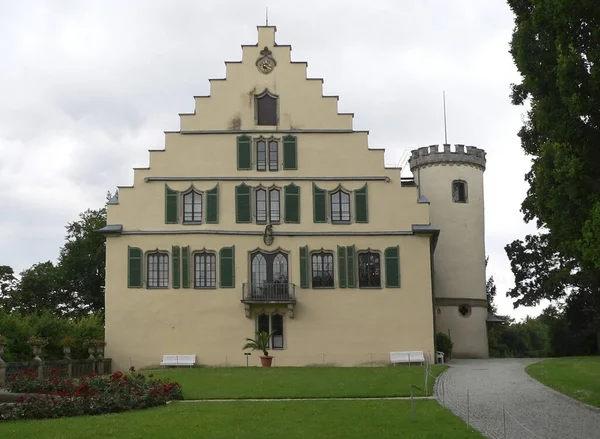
<point>269,293</point>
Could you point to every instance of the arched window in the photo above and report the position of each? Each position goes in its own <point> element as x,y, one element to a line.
<point>369,270</point>
<point>274,211</point>
<point>340,206</point>
<point>158,270</point>
<point>459,191</point>
<point>261,205</point>
<point>266,109</point>
<point>273,155</point>
<point>261,155</point>
<point>322,270</point>
<point>192,207</point>
<point>280,269</point>
<point>205,270</point>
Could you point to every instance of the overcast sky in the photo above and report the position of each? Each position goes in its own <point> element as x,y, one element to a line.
<point>88,87</point>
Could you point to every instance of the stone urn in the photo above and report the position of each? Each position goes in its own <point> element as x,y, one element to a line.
<point>91,351</point>
<point>37,350</point>
<point>67,352</point>
<point>1,352</point>
<point>99,352</point>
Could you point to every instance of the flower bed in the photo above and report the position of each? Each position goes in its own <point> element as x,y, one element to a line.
<point>55,396</point>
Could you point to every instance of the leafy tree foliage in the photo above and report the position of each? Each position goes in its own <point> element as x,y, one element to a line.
<point>82,261</point>
<point>490,292</point>
<point>8,283</point>
<point>556,48</point>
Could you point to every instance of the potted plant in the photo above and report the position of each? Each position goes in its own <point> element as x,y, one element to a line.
<point>67,343</point>
<point>37,343</point>
<point>261,343</point>
<point>3,341</point>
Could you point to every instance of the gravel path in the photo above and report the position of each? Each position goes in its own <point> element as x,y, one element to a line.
<point>503,398</point>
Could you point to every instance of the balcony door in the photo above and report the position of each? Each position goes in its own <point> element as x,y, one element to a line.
<point>270,275</point>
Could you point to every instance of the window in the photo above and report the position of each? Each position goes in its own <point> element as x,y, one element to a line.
<point>261,205</point>
<point>322,270</point>
<point>266,109</point>
<point>274,209</point>
<point>158,270</point>
<point>271,324</point>
<point>205,270</point>
<point>261,155</point>
<point>192,207</point>
<point>267,208</point>
<point>273,155</point>
<point>459,191</point>
<point>369,270</point>
<point>340,207</point>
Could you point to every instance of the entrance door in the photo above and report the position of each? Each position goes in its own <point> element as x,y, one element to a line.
<point>270,276</point>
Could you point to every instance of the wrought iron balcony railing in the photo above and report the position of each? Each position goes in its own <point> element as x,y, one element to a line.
<point>269,292</point>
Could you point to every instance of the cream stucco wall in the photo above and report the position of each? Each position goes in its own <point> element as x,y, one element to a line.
<point>338,326</point>
<point>459,259</point>
<point>347,325</point>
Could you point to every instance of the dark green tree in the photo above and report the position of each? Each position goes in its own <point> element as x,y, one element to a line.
<point>490,291</point>
<point>41,288</point>
<point>82,261</point>
<point>556,48</point>
<point>8,284</point>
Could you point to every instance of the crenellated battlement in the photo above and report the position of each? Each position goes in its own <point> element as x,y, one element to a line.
<point>447,155</point>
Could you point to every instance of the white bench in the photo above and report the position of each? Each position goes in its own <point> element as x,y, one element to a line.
<point>178,360</point>
<point>407,357</point>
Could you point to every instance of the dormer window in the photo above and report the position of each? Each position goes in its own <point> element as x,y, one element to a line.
<point>266,109</point>
<point>459,191</point>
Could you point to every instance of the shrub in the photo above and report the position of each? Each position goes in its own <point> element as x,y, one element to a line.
<point>17,328</point>
<point>55,396</point>
<point>444,344</point>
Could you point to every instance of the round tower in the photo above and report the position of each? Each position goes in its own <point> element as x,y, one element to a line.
<point>451,180</point>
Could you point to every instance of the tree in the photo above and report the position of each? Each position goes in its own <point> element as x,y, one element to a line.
<point>556,48</point>
<point>8,284</point>
<point>490,292</point>
<point>542,272</point>
<point>39,289</point>
<point>82,260</point>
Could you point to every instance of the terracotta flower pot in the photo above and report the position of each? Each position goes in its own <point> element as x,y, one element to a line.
<point>266,361</point>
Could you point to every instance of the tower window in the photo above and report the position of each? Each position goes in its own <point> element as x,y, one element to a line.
<point>266,109</point>
<point>459,191</point>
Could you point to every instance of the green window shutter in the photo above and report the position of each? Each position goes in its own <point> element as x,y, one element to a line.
<point>242,204</point>
<point>134,267</point>
<point>227,267</point>
<point>361,204</point>
<point>212,205</point>
<point>291,194</point>
<point>244,153</point>
<point>341,266</point>
<point>304,267</point>
<point>176,258</point>
<point>392,267</point>
<point>351,262</point>
<point>319,205</point>
<point>171,206</point>
<point>290,153</point>
<point>185,266</point>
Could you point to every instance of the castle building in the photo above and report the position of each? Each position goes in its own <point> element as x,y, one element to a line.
<point>267,211</point>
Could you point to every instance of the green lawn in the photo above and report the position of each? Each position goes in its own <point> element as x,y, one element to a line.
<point>577,377</point>
<point>216,420</point>
<point>297,382</point>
